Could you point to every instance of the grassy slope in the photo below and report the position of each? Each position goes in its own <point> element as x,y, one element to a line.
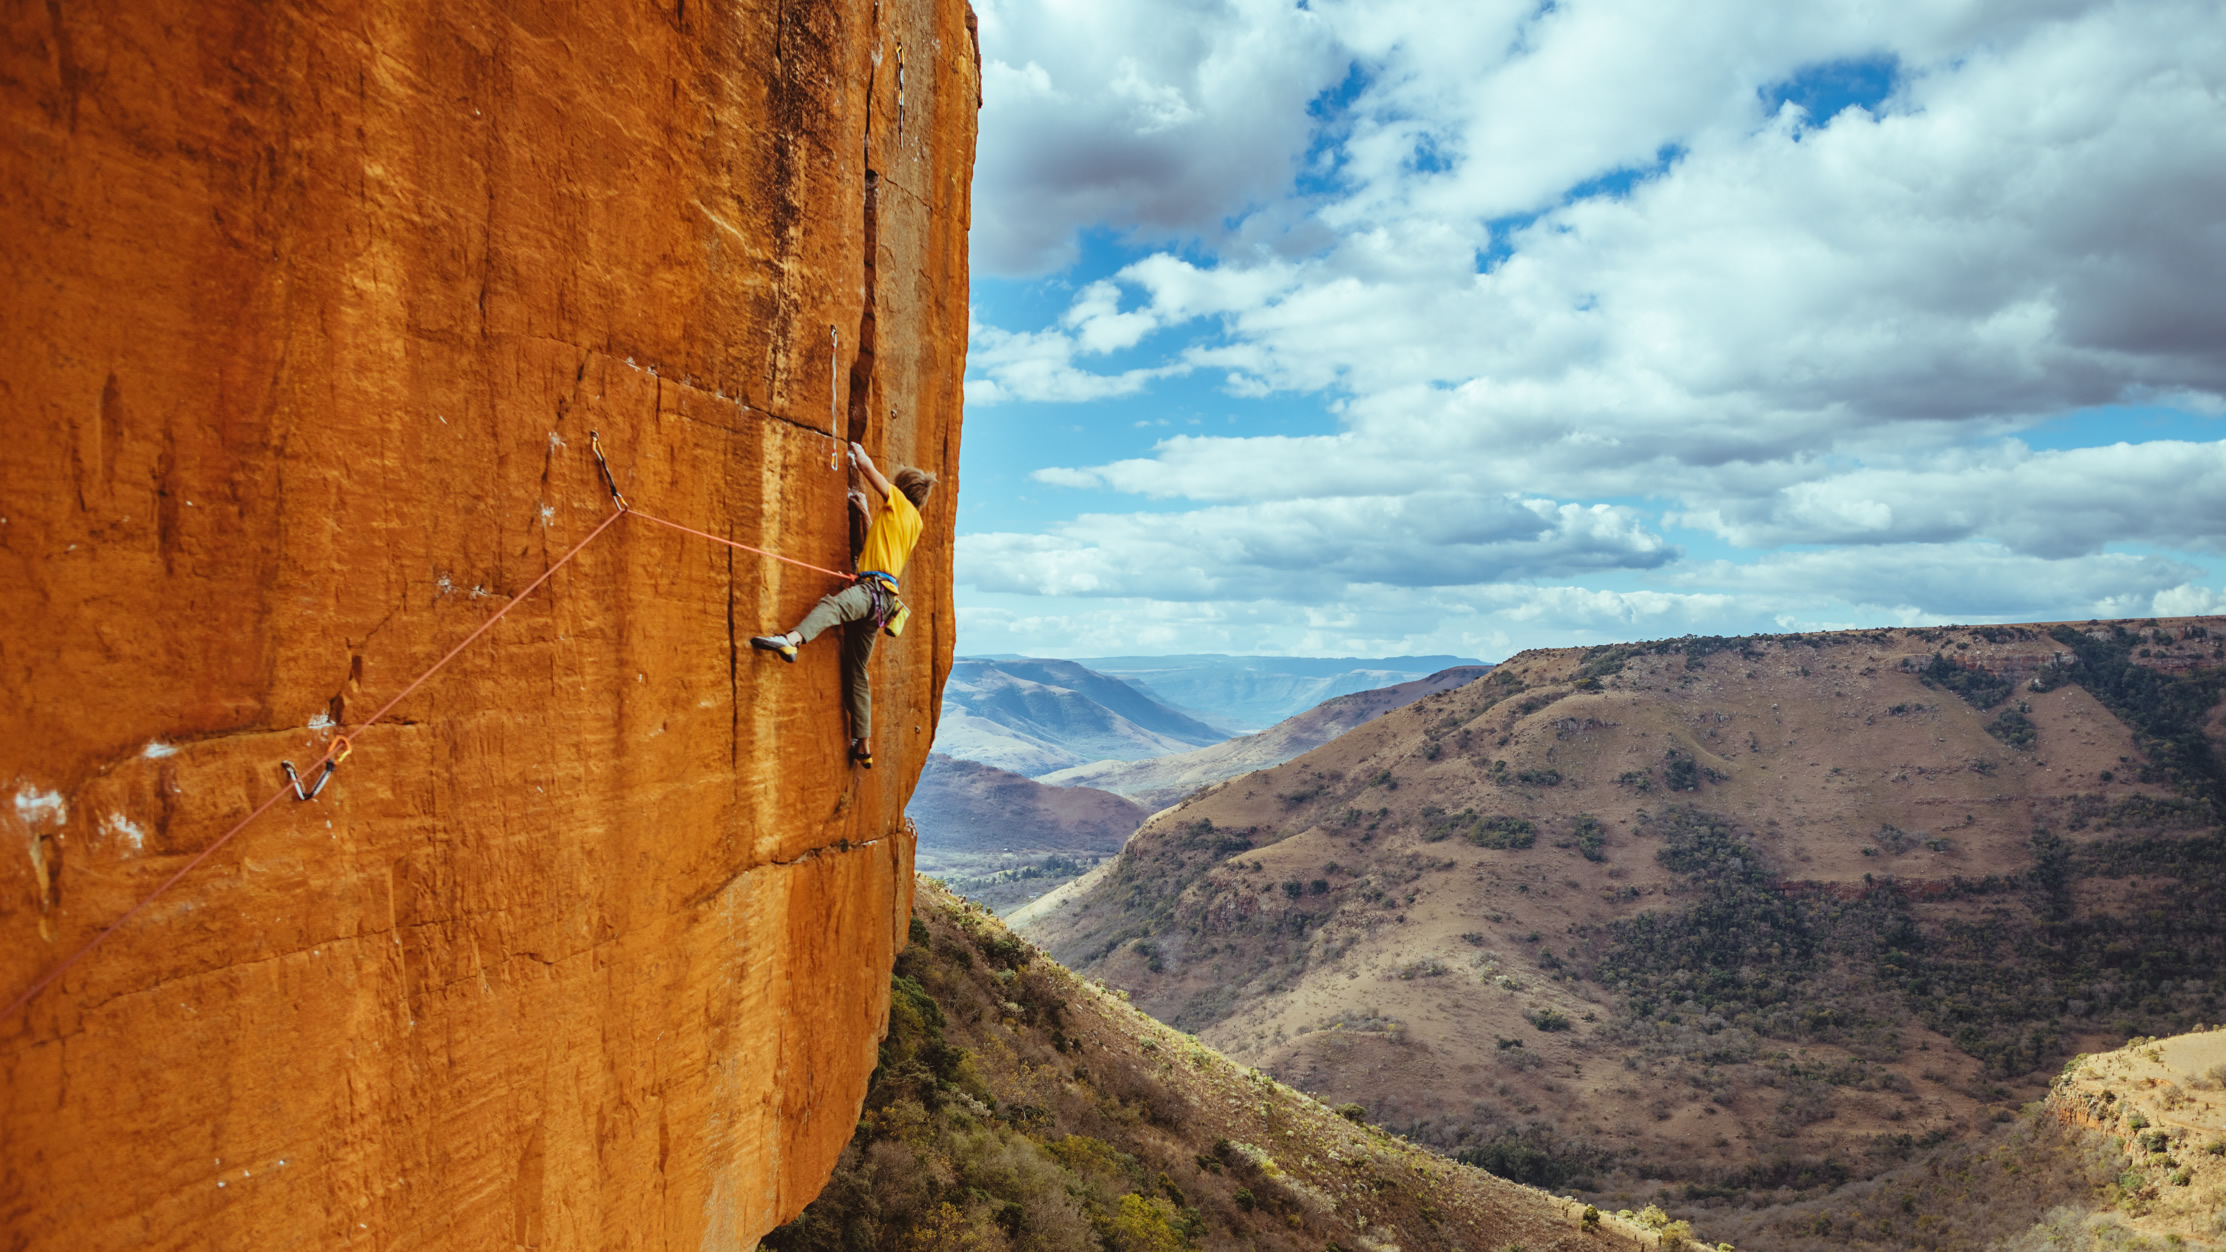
<point>1018,1106</point>
<point>1830,910</point>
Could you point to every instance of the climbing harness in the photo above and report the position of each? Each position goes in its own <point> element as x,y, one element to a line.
<point>340,750</point>
<point>889,612</point>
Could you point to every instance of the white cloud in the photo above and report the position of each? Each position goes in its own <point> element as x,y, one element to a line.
<point>1312,550</point>
<point>1039,365</point>
<point>1910,585</point>
<point>2188,600</point>
<point>1486,622</point>
<point>1155,116</point>
<point>2014,235</point>
<point>1951,582</point>
<point>2052,504</point>
<point>1792,329</point>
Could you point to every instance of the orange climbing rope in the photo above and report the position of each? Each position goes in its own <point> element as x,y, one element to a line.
<point>343,743</point>
<point>701,534</point>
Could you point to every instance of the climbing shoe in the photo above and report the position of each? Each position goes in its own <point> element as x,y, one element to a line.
<point>861,754</point>
<point>775,643</point>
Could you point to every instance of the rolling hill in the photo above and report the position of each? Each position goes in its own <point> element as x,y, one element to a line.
<point>1003,839</point>
<point>1758,916</point>
<point>1156,782</point>
<point>1034,716</point>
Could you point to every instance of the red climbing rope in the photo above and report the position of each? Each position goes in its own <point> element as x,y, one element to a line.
<point>786,560</point>
<point>342,743</point>
<point>340,746</point>
<point>167,883</point>
<point>489,624</point>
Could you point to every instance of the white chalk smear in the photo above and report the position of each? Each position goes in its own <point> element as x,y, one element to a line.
<point>157,749</point>
<point>322,721</point>
<point>125,830</point>
<point>37,808</point>
<point>556,440</point>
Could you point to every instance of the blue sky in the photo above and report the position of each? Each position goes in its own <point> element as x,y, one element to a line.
<point>1347,329</point>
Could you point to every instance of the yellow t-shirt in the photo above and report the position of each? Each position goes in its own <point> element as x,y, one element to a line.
<point>890,539</point>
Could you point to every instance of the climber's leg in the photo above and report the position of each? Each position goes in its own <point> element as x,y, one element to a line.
<point>850,604</point>
<point>857,649</point>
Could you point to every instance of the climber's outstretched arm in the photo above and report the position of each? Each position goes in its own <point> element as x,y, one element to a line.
<point>864,465</point>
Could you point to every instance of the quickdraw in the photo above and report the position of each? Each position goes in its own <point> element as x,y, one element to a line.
<point>595,445</point>
<point>340,750</point>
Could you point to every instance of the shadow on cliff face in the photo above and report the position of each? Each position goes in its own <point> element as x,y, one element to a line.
<point>1017,1106</point>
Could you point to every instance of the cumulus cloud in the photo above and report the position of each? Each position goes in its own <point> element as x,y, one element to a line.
<point>1152,116</point>
<point>1485,621</point>
<point>1912,585</point>
<point>1313,550</point>
<point>1952,582</point>
<point>1041,365</point>
<point>1547,261</point>
<point>2048,504</point>
<point>2019,233</point>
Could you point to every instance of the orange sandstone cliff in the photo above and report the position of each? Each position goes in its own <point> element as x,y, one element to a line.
<point>308,312</point>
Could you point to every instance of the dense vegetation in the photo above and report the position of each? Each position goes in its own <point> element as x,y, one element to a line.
<point>2006,987</point>
<point>2147,957</point>
<point>2025,1185</point>
<point>2166,712</point>
<point>1977,687</point>
<point>1744,961</point>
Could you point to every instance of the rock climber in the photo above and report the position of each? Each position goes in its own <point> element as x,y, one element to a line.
<point>868,605</point>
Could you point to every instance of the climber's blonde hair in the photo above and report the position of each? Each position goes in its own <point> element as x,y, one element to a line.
<point>916,484</point>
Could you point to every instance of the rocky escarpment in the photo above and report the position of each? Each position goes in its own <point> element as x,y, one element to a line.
<point>2160,1106</point>
<point>310,311</point>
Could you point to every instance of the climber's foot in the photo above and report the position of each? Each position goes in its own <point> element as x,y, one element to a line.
<point>861,753</point>
<point>783,644</point>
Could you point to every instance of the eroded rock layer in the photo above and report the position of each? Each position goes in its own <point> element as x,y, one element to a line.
<point>310,310</point>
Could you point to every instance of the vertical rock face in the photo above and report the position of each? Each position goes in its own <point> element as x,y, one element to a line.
<point>309,311</point>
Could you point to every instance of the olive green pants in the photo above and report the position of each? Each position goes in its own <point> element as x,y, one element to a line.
<point>852,609</point>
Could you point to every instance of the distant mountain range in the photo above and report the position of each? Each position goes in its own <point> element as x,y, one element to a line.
<point>1034,716</point>
<point>1247,693</point>
<point>1160,781</point>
